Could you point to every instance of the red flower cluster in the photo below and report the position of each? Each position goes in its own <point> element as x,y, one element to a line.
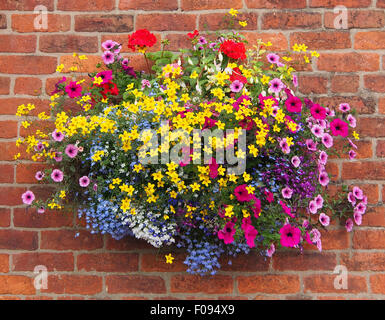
<point>141,39</point>
<point>109,88</point>
<point>232,49</point>
<point>193,35</point>
<point>237,75</point>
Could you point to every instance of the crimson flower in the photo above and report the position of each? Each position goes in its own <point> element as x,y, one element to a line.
<point>232,49</point>
<point>339,128</point>
<point>141,39</point>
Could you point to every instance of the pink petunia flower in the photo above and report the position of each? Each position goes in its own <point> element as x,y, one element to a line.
<point>344,107</point>
<point>41,210</point>
<point>286,209</point>
<point>351,198</point>
<point>349,225</point>
<point>58,156</point>
<point>272,58</point>
<point>311,145</point>
<point>327,140</point>
<point>271,250</point>
<point>108,57</point>
<point>352,121</point>
<point>317,131</point>
<point>57,175</point>
<point>105,75</point>
<point>250,234</point>
<point>39,175</point>
<point>357,218</point>
<point>324,219</point>
<point>319,201</point>
<point>287,193</point>
<point>295,80</point>
<point>290,236</point>
<point>360,208</point>
<point>339,128</point>
<point>236,86</point>
<point>323,158</point>
<point>323,179</point>
<point>352,154</point>
<point>84,181</point>
<point>313,207</point>
<point>71,151</point>
<point>284,146</point>
<point>276,85</point>
<point>57,136</point>
<point>295,161</point>
<point>358,193</point>
<point>28,197</point>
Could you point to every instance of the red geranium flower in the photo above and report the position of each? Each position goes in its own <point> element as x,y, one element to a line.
<point>141,39</point>
<point>237,75</point>
<point>193,35</point>
<point>232,49</point>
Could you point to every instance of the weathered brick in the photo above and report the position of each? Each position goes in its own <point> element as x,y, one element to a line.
<point>55,23</point>
<point>25,5</point>
<point>6,172</point>
<point>302,262</point>
<point>218,284</point>
<point>276,4</point>
<point>215,21</point>
<point>104,23</point>
<point>369,239</point>
<point>334,3</point>
<point>162,5</point>
<point>12,284</point>
<point>324,283</point>
<point>188,5</point>
<point>377,282</point>
<point>135,284</point>
<point>30,86</point>
<point>68,43</point>
<point>17,43</point>
<point>313,84</point>
<point>375,82</point>
<point>5,83</point>
<point>30,218</point>
<point>167,21</point>
<point>348,62</point>
<point>269,283</point>
<point>18,240</point>
<point>94,5</point>
<point>325,40</point>
<point>108,262</point>
<point>358,19</point>
<point>371,40</point>
<point>52,261</point>
<point>74,284</point>
<point>157,263</point>
<point>27,64</point>
<point>67,240</point>
<point>345,83</point>
<point>291,20</point>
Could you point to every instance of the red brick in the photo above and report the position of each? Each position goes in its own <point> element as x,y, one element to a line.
<point>39,298</point>
<point>380,150</point>
<point>135,284</point>
<point>128,244</point>
<point>313,84</point>
<point>9,105</point>
<point>32,219</point>
<point>377,283</point>
<point>16,43</point>
<point>30,86</point>
<point>276,4</point>
<point>108,262</point>
<point>371,127</point>
<point>215,21</point>
<point>25,5</point>
<point>302,262</point>
<point>18,240</point>
<point>363,261</point>
<point>4,263</point>
<point>53,261</point>
<point>291,20</point>
<point>11,284</point>
<point>369,239</point>
<point>371,40</point>
<point>10,196</point>
<point>334,3</point>
<point>348,62</point>
<point>55,23</point>
<point>268,283</point>
<point>8,129</point>
<point>5,83</point>
<point>381,105</point>
<point>380,3</point>
<point>3,21</point>
<point>5,217</point>
<point>246,263</point>
<point>25,173</point>
<point>332,240</point>
<point>27,64</point>
<point>324,283</point>
<point>85,66</point>
<point>370,170</point>
<point>96,5</point>
<point>360,104</point>
<point>218,284</point>
<point>188,5</point>
<point>374,217</point>
<point>68,43</point>
<point>159,5</point>
<point>375,83</point>
<point>6,173</point>
<point>74,284</point>
<point>66,240</point>
<point>164,22</point>
<point>157,263</point>
<point>104,23</point>
<point>358,19</point>
<point>325,40</point>
<point>278,40</point>
<point>345,83</point>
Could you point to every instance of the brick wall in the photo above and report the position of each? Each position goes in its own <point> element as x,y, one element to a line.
<point>351,69</point>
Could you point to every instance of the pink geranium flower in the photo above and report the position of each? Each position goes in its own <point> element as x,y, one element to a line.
<point>227,233</point>
<point>290,235</point>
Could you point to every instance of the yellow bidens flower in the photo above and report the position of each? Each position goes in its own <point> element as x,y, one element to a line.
<point>356,135</point>
<point>169,258</point>
<point>98,80</point>
<point>97,156</point>
<point>60,68</point>
<point>233,12</point>
<point>243,23</point>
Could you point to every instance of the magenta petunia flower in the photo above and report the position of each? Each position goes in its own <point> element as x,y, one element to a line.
<point>324,219</point>
<point>319,201</point>
<point>284,146</point>
<point>349,225</point>
<point>313,208</point>
<point>242,194</point>
<point>73,90</point>
<point>256,206</point>
<point>295,80</point>
<point>39,175</point>
<point>311,145</point>
<point>57,175</point>
<point>357,218</point>
<point>236,86</point>
<point>57,136</point>
<point>287,193</point>
<point>250,235</point>
<point>286,209</point>
<point>323,158</point>
<point>360,208</point>
<point>105,75</point>
<point>358,193</point>
<point>339,128</point>
<point>293,104</point>
<point>28,197</point>
<point>58,156</point>
<point>352,121</point>
<point>323,179</point>
<point>84,181</point>
<point>71,151</point>
<point>227,233</point>
<point>276,85</point>
<point>327,140</point>
<point>108,57</point>
<point>271,250</point>
<point>344,107</point>
<point>269,196</point>
<point>213,166</point>
<point>318,112</point>
<point>352,198</point>
<point>290,236</point>
<point>352,154</point>
<point>272,58</point>
<point>295,161</point>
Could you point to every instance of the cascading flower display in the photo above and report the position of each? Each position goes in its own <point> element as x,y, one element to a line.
<point>211,150</point>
